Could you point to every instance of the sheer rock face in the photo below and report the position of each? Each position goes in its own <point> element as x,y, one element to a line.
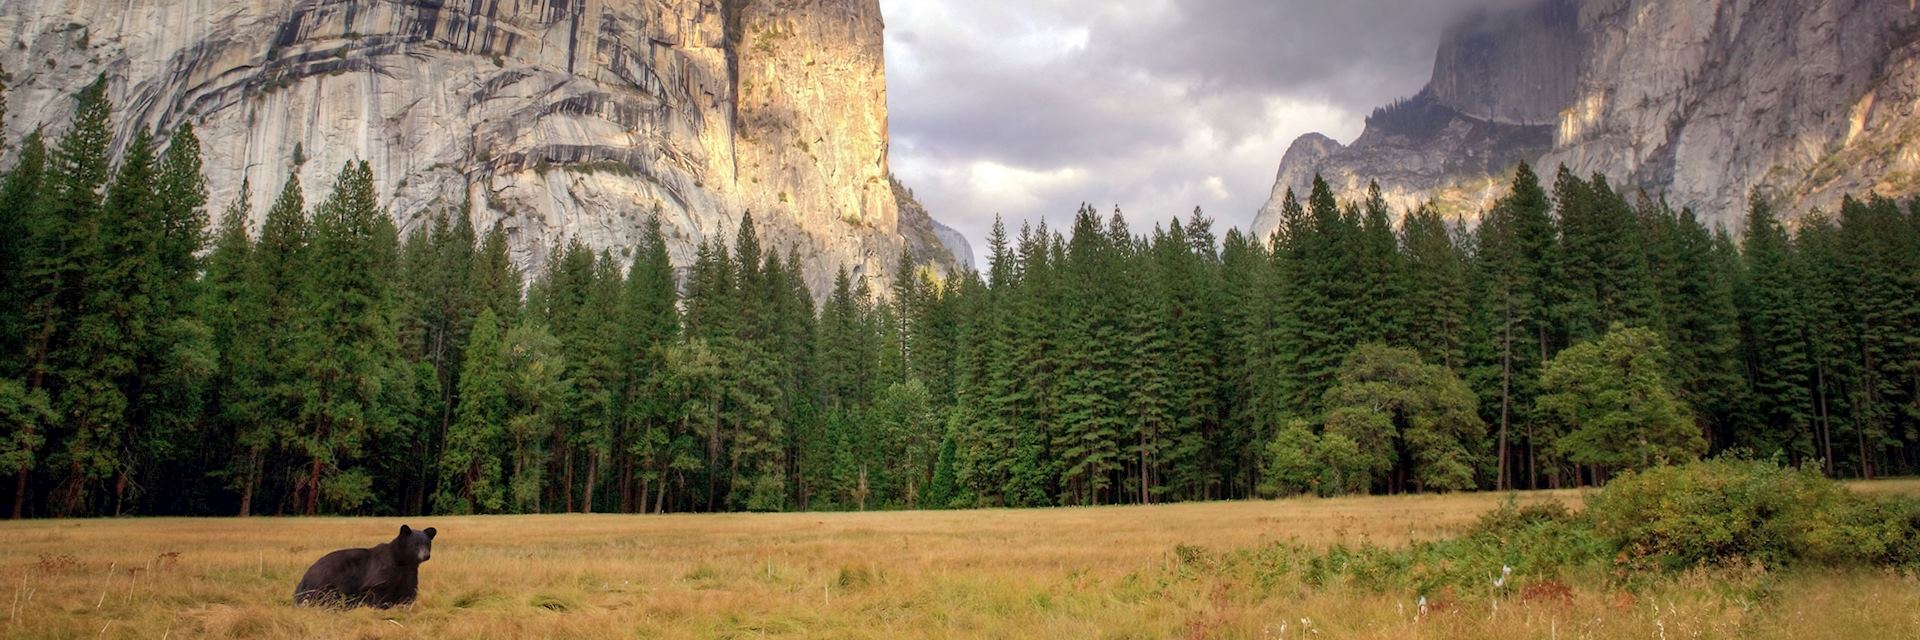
<point>557,119</point>
<point>1699,101</point>
<point>1417,151</point>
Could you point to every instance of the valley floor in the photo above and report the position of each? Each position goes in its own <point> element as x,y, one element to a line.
<point>1115,572</point>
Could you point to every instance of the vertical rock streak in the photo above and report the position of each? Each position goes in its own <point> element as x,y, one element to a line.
<point>554,118</point>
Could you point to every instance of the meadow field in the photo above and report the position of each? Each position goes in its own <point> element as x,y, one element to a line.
<point>1115,572</point>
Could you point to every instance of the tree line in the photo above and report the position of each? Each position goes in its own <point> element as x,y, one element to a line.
<point>155,362</point>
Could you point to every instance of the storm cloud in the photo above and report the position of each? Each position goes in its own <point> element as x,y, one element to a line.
<point>1027,108</point>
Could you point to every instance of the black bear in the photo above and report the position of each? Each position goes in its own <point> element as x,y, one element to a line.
<point>383,576</point>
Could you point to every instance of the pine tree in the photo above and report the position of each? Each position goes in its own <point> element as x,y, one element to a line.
<point>105,363</point>
<point>1325,295</point>
<point>1830,347</point>
<point>994,441</point>
<point>1514,276</point>
<point>1031,370</point>
<point>1149,365</point>
<point>282,264</point>
<point>178,358</point>
<point>182,198</point>
<point>21,202</point>
<point>1092,383</point>
<point>64,246</point>
<point>1882,257</point>
<point>1695,286</point>
<point>472,477</point>
<point>1383,290</point>
<point>1775,330</point>
<point>753,396</point>
<point>1248,369</point>
<point>353,353</point>
<point>600,378</point>
<point>233,307</point>
<point>1437,290</point>
<point>1285,397</point>
<point>650,323</point>
<point>537,390</point>
<point>1604,266</point>
<point>438,310</point>
<point>493,281</point>
<point>26,413</point>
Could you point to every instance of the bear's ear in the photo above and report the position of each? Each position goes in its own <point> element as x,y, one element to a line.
<point>431,533</point>
<point>405,530</point>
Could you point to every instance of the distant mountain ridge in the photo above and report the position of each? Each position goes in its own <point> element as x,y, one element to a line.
<point>1697,101</point>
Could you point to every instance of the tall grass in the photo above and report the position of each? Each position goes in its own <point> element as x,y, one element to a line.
<point>1180,571</point>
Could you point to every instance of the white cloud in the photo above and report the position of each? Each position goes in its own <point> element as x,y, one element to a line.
<point>1027,108</point>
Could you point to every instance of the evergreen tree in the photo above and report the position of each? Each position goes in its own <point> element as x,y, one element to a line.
<point>1149,363</point>
<point>281,267</point>
<point>1695,283</point>
<point>1383,286</point>
<point>25,415</point>
<point>1882,256</point>
<point>114,320</point>
<point>353,354</point>
<point>1514,276</point>
<point>1248,368</point>
<point>493,281</point>
<point>63,248</point>
<point>1324,295</point>
<point>1437,290</point>
<point>1776,338</point>
<point>1092,385</point>
<point>536,389</point>
<point>472,476</point>
<point>437,312</point>
<point>233,307</point>
<point>178,358</point>
<point>650,324</point>
<point>181,193</point>
<point>1823,279</point>
<point>21,202</point>
<point>1603,267</point>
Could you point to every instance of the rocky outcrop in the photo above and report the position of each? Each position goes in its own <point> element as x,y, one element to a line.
<point>932,242</point>
<point>1698,101</point>
<point>556,119</point>
<point>1418,151</point>
<point>1515,67</point>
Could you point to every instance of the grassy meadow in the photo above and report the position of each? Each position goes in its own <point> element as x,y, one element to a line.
<point>1115,572</point>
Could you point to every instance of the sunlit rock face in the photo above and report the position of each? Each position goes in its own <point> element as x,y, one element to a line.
<point>1697,101</point>
<point>556,119</point>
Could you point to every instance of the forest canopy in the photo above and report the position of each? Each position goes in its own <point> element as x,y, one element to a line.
<point>158,362</point>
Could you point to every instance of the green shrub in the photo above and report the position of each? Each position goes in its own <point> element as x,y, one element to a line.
<point>1736,519</point>
<point>1728,511</point>
<point>1533,543</point>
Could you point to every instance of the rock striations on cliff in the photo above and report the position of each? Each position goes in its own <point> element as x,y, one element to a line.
<point>1697,101</point>
<point>557,119</point>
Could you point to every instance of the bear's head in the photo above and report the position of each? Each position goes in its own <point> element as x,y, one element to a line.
<point>414,547</point>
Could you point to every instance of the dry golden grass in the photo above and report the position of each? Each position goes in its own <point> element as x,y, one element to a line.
<point>1070,573</point>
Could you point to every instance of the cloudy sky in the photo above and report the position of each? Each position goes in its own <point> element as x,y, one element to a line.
<point>1026,108</point>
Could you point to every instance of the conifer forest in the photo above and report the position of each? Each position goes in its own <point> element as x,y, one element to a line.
<point>160,356</point>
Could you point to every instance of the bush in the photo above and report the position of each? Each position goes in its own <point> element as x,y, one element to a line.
<point>1733,520</point>
<point>1729,511</point>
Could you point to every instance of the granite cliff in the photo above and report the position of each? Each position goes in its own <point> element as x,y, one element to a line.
<point>1698,101</point>
<point>557,119</point>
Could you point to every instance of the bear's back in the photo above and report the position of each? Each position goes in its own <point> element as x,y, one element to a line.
<point>338,575</point>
